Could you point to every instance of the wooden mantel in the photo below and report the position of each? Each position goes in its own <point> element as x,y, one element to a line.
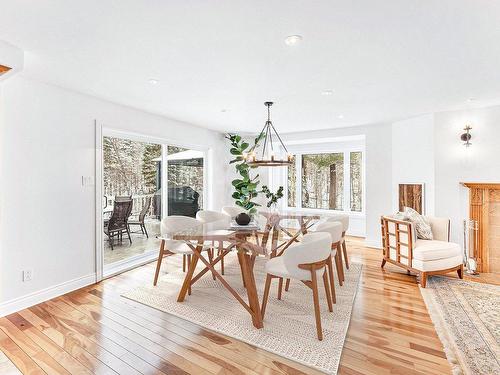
<point>482,185</point>
<point>484,208</point>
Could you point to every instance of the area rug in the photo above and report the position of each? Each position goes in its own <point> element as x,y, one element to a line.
<point>289,325</point>
<point>6,366</point>
<point>467,319</point>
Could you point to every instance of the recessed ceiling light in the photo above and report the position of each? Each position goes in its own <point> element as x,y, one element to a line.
<point>292,40</point>
<point>471,99</point>
<point>327,92</point>
<point>153,81</point>
<point>340,117</point>
<point>223,110</point>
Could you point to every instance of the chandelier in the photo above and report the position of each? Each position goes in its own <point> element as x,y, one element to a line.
<point>268,156</point>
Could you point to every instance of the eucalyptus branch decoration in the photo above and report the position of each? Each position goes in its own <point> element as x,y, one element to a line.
<point>246,186</point>
<point>273,197</point>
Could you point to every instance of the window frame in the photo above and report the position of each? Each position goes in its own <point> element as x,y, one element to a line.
<point>346,151</point>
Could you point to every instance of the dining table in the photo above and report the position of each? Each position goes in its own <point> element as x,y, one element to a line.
<point>248,243</point>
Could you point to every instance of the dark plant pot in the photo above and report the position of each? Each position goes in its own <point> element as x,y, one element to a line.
<point>242,219</point>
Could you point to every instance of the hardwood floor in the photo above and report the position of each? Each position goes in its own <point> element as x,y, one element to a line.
<point>94,330</point>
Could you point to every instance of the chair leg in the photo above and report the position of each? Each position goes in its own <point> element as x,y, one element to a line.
<point>332,280</point>
<point>460,271</point>
<point>346,258</point>
<point>128,233</point>
<point>280,287</point>
<point>341,263</point>
<point>423,279</point>
<point>111,241</point>
<point>189,267</point>
<point>183,262</point>
<point>266,295</point>
<point>314,285</point>
<point>221,263</point>
<point>287,285</point>
<point>327,291</point>
<point>145,230</point>
<point>158,263</point>
<point>338,264</point>
<point>383,263</point>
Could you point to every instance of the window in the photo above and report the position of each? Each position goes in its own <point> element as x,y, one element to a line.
<point>323,181</point>
<point>356,181</point>
<point>292,182</point>
<point>327,181</point>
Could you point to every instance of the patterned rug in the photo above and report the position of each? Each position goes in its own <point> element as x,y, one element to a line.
<point>6,366</point>
<point>289,325</point>
<point>467,319</point>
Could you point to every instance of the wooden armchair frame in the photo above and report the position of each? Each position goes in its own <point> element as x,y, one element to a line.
<point>406,228</point>
<point>399,227</point>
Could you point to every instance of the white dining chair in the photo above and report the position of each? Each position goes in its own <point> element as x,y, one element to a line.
<point>305,261</point>
<point>334,229</point>
<point>168,246</point>
<point>232,211</point>
<point>344,219</point>
<point>219,220</point>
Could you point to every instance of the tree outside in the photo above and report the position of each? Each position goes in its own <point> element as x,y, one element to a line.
<point>323,181</point>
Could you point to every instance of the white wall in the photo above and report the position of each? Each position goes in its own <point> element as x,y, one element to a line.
<point>454,163</point>
<point>413,157</point>
<point>47,218</point>
<point>378,177</point>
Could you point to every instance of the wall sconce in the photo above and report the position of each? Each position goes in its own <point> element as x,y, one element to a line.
<point>466,137</point>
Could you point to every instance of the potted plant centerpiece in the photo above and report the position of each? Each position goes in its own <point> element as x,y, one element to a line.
<point>245,186</point>
<point>273,197</point>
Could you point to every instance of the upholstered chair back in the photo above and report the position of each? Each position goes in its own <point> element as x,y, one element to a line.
<point>344,219</point>
<point>333,228</point>
<point>175,224</point>
<point>440,227</point>
<point>232,211</point>
<point>216,220</point>
<point>314,247</point>
<point>207,216</point>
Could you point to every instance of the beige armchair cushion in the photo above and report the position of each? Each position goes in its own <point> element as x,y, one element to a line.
<point>440,227</point>
<point>433,250</point>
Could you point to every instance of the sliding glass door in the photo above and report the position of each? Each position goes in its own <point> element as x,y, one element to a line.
<point>185,181</point>
<point>144,180</point>
<point>132,200</point>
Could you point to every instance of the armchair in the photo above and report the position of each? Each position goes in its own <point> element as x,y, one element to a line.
<point>425,257</point>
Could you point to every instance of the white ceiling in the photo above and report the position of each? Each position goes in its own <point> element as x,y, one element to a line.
<point>385,60</point>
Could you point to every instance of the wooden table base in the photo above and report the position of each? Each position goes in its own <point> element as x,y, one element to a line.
<point>246,262</point>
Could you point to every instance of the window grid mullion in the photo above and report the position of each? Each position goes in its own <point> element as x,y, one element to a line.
<point>347,181</point>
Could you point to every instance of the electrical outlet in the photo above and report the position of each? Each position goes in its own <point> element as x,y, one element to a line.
<point>27,275</point>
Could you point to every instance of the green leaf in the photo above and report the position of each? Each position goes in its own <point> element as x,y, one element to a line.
<point>235,151</point>
<point>236,182</point>
<point>244,146</point>
<point>236,195</point>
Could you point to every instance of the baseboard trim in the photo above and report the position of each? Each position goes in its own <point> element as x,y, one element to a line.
<point>373,244</point>
<point>43,295</point>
